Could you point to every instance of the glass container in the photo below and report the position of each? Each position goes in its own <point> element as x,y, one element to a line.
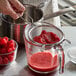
<point>44,58</point>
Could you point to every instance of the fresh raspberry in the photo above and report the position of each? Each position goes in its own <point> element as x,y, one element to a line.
<point>37,38</point>
<point>11,41</point>
<point>3,56</point>
<point>12,54</point>
<point>9,50</point>
<point>47,37</point>
<point>10,58</point>
<point>6,46</point>
<point>13,48</point>
<point>5,60</point>
<point>3,51</point>
<point>6,38</point>
<point>0,60</point>
<point>11,45</point>
<point>3,41</point>
<point>53,36</point>
<point>43,32</point>
<point>57,39</point>
<point>42,40</point>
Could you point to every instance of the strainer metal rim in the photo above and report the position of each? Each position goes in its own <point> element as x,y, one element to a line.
<point>3,18</point>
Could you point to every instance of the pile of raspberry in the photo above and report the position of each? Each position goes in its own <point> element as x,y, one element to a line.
<point>7,48</point>
<point>46,38</point>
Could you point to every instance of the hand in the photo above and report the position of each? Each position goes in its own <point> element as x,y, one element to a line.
<point>12,7</point>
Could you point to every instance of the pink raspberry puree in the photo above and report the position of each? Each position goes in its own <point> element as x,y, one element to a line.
<point>43,61</point>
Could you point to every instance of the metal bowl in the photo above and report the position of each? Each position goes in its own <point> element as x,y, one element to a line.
<point>14,28</point>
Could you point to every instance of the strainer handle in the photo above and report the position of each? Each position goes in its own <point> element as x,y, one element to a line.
<point>60,12</point>
<point>68,41</point>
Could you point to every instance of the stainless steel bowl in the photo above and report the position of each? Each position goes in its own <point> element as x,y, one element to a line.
<point>14,28</point>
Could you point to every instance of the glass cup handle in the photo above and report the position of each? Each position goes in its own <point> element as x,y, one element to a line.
<point>61,69</point>
<point>61,60</point>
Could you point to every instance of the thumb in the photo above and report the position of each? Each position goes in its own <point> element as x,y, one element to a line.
<point>8,10</point>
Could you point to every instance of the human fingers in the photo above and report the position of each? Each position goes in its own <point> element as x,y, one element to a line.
<point>7,9</point>
<point>17,5</point>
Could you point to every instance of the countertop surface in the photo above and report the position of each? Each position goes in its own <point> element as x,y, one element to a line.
<point>20,68</point>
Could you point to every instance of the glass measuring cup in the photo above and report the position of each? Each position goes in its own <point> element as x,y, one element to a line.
<point>42,57</point>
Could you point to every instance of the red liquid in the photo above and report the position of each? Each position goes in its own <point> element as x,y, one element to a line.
<point>43,61</point>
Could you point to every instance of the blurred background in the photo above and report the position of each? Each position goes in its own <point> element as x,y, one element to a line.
<point>68,19</point>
